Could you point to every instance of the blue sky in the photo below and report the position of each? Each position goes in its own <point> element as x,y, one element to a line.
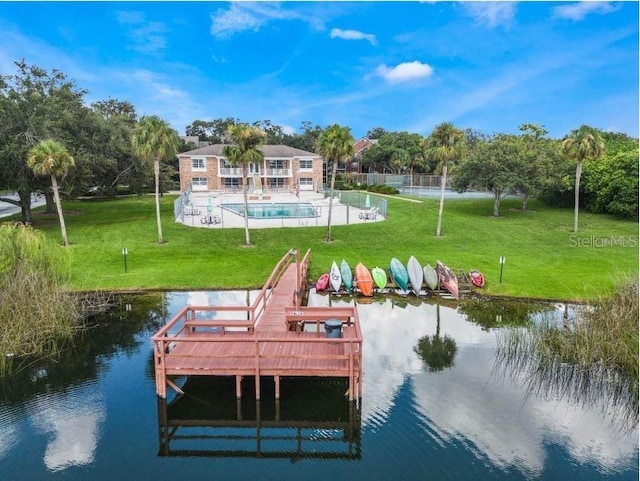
<point>399,65</point>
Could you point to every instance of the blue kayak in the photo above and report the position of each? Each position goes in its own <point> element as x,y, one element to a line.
<point>347,276</point>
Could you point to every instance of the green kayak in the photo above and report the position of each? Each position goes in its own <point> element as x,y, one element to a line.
<point>379,277</point>
<point>430,277</point>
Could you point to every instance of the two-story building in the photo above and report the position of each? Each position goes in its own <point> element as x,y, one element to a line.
<point>281,169</point>
<point>358,149</point>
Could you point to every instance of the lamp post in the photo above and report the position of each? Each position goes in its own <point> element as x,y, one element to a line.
<point>502,259</point>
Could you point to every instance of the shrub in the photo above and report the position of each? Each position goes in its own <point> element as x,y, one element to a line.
<point>383,189</point>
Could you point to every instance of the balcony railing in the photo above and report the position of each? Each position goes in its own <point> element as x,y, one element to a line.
<point>237,172</point>
<point>230,172</point>
<point>277,173</point>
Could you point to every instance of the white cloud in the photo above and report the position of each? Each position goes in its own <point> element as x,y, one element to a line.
<point>405,71</point>
<point>147,36</point>
<point>353,35</point>
<point>577,11</point>
<point>287,129</point>
<point>492,14</point>
<point>241,16</point>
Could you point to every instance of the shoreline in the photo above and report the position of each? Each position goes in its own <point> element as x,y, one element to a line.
<point>474,296</point>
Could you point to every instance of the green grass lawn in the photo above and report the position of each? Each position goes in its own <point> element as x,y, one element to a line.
<point>543,258</point>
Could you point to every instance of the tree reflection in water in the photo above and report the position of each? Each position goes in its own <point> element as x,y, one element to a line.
<point>497,313</point>
<point>435,351</point>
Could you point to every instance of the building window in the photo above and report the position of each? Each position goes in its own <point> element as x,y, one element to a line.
<point>275,183</point>
<point>231,183</point>
<point>199,183</point>
<point>198,163</point>
<point>306,184</point>
<point>277,164</point>
<point>306,165</point>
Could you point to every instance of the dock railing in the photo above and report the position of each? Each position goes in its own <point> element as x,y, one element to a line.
<point>187,320</point>
<point>265,356</point>
<point>195,324</point>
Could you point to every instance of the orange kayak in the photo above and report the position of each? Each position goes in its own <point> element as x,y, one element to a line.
<point>364,281</point>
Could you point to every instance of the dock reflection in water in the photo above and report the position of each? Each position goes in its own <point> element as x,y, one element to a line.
<point>312,420</point>
<point>90,413</point>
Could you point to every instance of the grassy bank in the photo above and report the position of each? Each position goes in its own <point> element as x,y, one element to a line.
<point>543,258</point>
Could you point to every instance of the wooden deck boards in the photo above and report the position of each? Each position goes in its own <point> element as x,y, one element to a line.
<point>271,349</point>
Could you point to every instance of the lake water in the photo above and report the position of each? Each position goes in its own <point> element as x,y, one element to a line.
<point>435,406</point>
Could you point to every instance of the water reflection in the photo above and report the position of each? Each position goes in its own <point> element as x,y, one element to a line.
<point>72,423</point>
<point>496,313</point>
<point>594,386</point>
<point>437,352</point>
<point>58,396</point>
<point>496,418</point>
<point>94,409</point>
<point>312,420</point>
<point>121,330</point>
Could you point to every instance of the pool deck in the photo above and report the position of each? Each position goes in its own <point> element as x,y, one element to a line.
<point>201,208</point>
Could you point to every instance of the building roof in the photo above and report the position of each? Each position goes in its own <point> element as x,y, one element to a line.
<point>282,151</point>
<point>363,143</point>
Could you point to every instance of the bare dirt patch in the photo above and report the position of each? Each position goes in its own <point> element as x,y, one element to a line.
<point>42,219</point>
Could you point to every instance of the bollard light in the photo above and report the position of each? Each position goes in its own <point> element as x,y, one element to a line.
<point>124,256</point>
<point>502,259</point>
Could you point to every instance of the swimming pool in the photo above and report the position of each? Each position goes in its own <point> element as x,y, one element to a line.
<point>277,210</point>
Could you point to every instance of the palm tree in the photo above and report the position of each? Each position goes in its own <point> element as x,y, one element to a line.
<point>153,139</point>
<point>445,144</point>
<point>435,351</point>
<point>246,139</point>
<point>335,144</point>
<point>582,144</point>
<point>52,158</point>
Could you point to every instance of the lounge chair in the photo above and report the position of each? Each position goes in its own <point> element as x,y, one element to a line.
<point>210,219</point>
<point>370,214</point>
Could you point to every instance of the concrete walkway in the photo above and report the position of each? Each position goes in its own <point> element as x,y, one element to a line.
<point>7,209</point>
<point>209,207</point>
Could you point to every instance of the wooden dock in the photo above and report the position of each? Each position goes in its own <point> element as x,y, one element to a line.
<point>273,337</point>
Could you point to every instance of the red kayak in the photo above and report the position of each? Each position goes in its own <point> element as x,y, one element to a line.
<point>447,278</point>
<point>322,283</point>
<point>477,279</point>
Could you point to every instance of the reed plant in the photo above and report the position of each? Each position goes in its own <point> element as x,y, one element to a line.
<point>592,358</point>
<point>37,316</point>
